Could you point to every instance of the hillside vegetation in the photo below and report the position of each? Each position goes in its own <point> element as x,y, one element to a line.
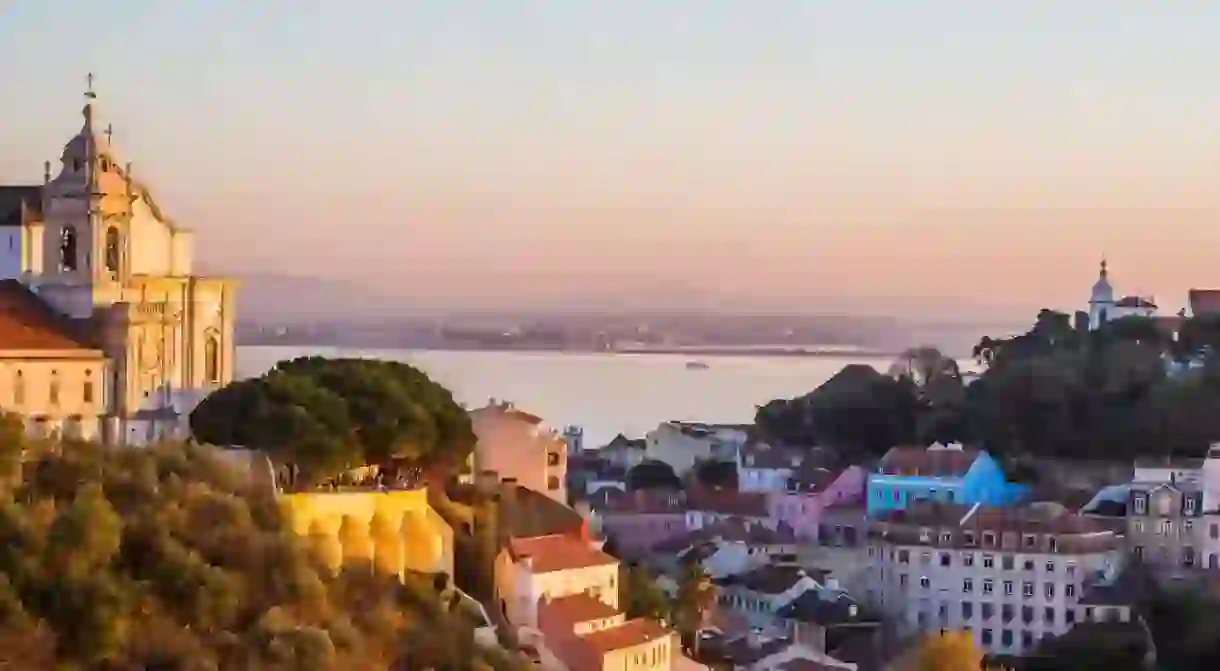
<point>159,559</point>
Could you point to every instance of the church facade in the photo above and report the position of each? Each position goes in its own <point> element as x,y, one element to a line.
<point>1104,308</point>
<point>106,332</point>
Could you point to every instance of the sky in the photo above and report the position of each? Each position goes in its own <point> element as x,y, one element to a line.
<point>843,155</point>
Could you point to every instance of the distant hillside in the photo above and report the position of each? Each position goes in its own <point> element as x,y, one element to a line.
<point>269,298</point>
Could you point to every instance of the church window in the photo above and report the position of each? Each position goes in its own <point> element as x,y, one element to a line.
<point>87,391</point>
<point>53,390</point>
<point>76,165</point>
<point>211,359</point>
<point>19,388</point>
<point>112,249</point>
<point>67,248</point>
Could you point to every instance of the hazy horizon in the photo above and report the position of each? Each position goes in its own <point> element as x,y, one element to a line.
<point>856,154</point>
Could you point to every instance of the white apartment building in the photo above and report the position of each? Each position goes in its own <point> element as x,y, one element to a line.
<point>682,444</point>
<point>1008,576</point>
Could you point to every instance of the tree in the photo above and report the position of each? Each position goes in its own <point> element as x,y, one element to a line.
<point>329,415</point>
<point>652,474</point>
<point>951,651</point>
<point>157,559</point>
<point>641,595</point>
<point>716,474</point>
<point>693,603</point>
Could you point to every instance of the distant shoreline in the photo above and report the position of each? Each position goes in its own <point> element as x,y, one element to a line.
<point>796,351</point>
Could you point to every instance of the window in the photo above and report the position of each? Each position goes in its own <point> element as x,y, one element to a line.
<point>967,585</point>
<point>53,388</point>
<point>1141,504</point>
<point>1027,614</point>
<point>1052,544</point>
<point>1027,639</point>
<point>211,359</point>
<point>967,559</point>
<point>946,559</point>
<point>1028,564</point>
<point>87,389</point>
<point>924,582</point>
<point>925,558</point>
<point>988,538</point>
<point>552,458</point>
<point>1008,587</point>
<point>904,557</point>
<point>987,637</point>
<point>1049,590</point>
<point>1027,589</point>
<point>988,611</point>
<point>1069,616</point>
<point>1190,505</point>
<point>18,388</point>
<point>1050,566</point>
<point>1214,532</point>
<point>1138,551</point>
<point>925,535</point>
<point>1007,562</point>
<point>552,483</point>
<point>967,610</point>
<point>1139,526</point>
<point>946,537</point>
<point>968,537</point>
<point>1006,637</point>
<point>1007,613</point>
<point>67,249</point>
<point>1071,568</point>
<point>988,561</point>
<point>1188,556</point>
<point>113,249</point>
<point>902,580</point>
<point>1028,540</point>
<point>1165,527</point>
<point>1048,615</point>
<point>1069,591</point>
<point>988,586</point>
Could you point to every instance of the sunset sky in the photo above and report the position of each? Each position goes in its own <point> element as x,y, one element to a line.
<point>819,155</point>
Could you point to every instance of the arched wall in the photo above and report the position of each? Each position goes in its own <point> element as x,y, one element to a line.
<point>397,531</point>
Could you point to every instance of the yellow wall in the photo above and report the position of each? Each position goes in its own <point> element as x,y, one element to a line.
<point>397,531</point>
<point>656,655</point>
<point>67,411</point>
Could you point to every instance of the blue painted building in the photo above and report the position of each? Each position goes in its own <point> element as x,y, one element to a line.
<point>950,474</point>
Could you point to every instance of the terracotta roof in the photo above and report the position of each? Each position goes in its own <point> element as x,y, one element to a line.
<point>28,323</point>
<point>643,502</point>
<point>629,634</point>
<point>1204,302</point>
<point>566,611</point>
<point>948,526</point>
<point>727,501</point>
<point>927,462</point>
<point>733,529</point>
<point>621,442</point>
<point>11,200</point>
<point>556,553</point>
<point>529,514</point>
<point>510,411</point>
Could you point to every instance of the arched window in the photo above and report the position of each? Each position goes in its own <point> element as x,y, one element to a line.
<point>211,359</point>
<point>19,388</point>
<point>67,248</point>
<point>87,390</point>
<point>112,249</point>
<point>53,389</point>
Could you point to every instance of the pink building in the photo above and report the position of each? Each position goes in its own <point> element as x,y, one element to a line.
<point>640,519</point>
<point>810,492</point>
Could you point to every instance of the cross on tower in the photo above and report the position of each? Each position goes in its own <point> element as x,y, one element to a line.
<point>109,133</point>
<point>89,94</point>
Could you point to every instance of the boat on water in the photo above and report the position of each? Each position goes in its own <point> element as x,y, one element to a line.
<point>696,365</point>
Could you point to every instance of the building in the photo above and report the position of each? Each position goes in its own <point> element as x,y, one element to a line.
<point>562,593</point>
<point>519,446</point>
<point>1008,576</point>
<point>810,491</point>
<point>706,506</point>
<point>638,520</point>
<point>1103,307</point>
<point>952,474</point>
<point>725,549</point>
<point>553,566</point>
<point>683,444</point>
<point>762,467</point>
<point>106,332</point>
<point>624,452</point>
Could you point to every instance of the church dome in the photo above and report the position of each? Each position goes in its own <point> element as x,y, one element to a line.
<point>1102,291</point>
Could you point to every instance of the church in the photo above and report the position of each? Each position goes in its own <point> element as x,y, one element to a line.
<point>106,333</point>
<point>1103,307</point>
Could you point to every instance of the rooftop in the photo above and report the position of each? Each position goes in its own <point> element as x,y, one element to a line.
<point>826,610</point>
<point>546,554</point>
<point>733,529</point>
<point>627,635</point>
<point>574,609</point>
<point>28,323</point>
<point>1042,528</point>
<point>927,462</point>
<point>772,579</point>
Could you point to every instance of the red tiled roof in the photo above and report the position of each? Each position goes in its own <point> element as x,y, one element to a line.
<point>566,611</point>
<point>28,323</point>
<point>1204,302</point>
<point>727,502</point>
<point>924,462</point>
<point>629,634</point>
<point>556,553</point>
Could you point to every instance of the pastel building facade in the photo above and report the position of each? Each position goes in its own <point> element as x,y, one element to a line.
<point>950,474</point>
<point>520,447</point>
<point>808,494</point>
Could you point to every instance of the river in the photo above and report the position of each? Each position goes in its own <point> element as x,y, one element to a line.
<point>604,393</point>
